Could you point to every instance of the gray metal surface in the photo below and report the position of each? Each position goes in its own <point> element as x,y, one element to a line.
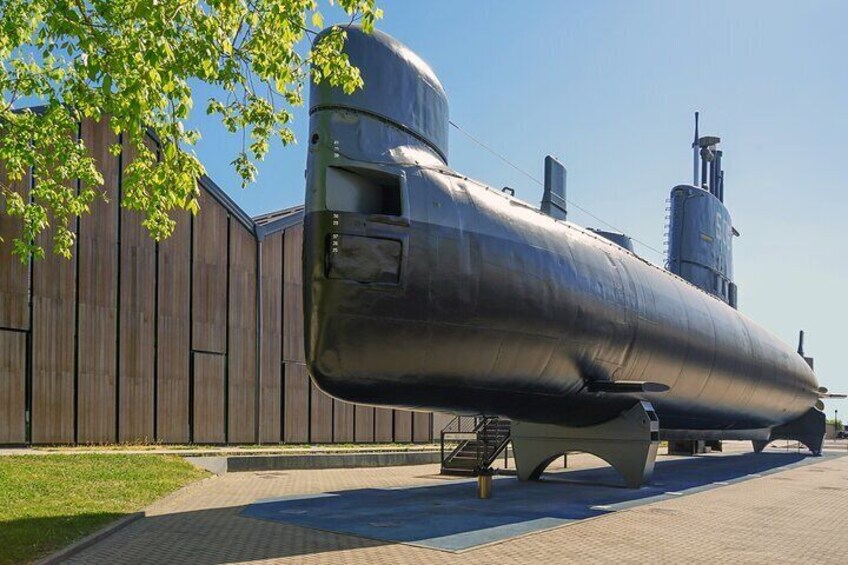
<point>553,197</point>
<point>700,240</point>
<point>402,89</point>
<point>628,442</point>
<point>498,308</point>
<point>275,222</point>
<point>615,237</point>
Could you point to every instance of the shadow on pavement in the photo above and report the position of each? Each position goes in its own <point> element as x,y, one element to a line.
<point>445,516</point>
<point>450,517</point>
<point>211,537</point>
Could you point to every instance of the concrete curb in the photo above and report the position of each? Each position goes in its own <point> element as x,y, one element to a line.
<point>240,464</point>
<point>86,542</point>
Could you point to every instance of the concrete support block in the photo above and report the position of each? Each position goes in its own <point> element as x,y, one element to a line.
<point>629,443</point>
<point>809,429</point>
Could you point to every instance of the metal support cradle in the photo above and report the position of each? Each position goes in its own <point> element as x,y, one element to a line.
<point>628,442</point>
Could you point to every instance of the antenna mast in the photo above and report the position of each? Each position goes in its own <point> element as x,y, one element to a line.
<point>695,149</point>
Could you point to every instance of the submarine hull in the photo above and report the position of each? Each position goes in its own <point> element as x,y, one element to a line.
<point>425,289</point>
<point>514,314</point>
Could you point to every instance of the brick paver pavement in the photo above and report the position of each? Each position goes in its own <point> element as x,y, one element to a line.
<point>796,516</point>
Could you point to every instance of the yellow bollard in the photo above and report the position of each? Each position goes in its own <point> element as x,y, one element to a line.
<point>484,486</point>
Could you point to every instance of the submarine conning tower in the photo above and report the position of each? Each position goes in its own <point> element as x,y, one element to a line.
<point>700,234</point>
<point>416,109</point>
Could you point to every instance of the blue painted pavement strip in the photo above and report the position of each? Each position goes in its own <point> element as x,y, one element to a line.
<point>449,516</point>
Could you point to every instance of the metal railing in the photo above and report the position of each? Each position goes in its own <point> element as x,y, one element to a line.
<point>485,434</point>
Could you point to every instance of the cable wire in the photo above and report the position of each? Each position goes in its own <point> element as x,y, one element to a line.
<point>540,183</point>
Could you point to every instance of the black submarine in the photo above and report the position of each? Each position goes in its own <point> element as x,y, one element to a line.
<point>426,289</point>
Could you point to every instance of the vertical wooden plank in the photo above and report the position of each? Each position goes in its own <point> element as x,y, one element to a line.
<point>209,280</point>
<point>343,422</point>
<point>364,424</point>
<point>241,352</point>
<point>209,397</point>
<point>403,425</point>
<point>440,420</point>
<point>53,326</point>
<point>14,313</point>
<point>383,425</point>
<point>293,340</point>
<point>14,274</point>
<point>421,427</point>
<point>321,416</point>
<point>98,295</point>
<point>173,347</point>
<point>137,312</point>
<point>12,387</point>
<point>272,335</point>
<point>296,383</point>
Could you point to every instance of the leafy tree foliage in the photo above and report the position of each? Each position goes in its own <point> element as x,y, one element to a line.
<point>135,61</point>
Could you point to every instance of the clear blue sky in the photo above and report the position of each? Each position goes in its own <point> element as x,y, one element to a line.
<point>610,88</point>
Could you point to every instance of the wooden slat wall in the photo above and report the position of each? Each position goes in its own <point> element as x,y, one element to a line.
<point>12,387</point>
<point>270,394</point>
<point>296,403</point>
<point>440,420</point>
<point>364,425</point>
<point>293,346</point>
<point>298,389</point>
<point>421,426</point>
<point>136,324</point>
<point>242,337</point>
<point>403,425</point>
<point>98,268</point>
<point>132,359</point>
<point>383,425</point>
<point>53,327</point>
<point>343,421</point>
<point>209,278</point>
<point>321,416</point>
<point>173,356</point>
<point>14,314</point>
<point>14,275</point>
<point>209,406</point>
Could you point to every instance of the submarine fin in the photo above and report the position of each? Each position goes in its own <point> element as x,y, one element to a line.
<point>625,386</point>
<point>825,393</point>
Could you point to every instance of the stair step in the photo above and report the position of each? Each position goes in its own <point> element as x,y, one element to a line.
<point>459,472</point>
<point>460,464</point>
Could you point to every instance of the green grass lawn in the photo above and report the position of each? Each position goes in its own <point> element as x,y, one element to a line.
<point>49,501</point>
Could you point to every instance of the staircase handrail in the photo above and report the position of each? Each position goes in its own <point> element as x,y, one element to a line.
<point>485,452</point>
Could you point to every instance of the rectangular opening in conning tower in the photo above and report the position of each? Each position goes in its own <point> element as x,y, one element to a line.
<point>363,191</point>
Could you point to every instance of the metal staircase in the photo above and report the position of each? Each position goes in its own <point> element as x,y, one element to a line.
<point>471,445</point>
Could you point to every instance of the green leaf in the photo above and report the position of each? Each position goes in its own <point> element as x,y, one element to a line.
<point>135,63</point>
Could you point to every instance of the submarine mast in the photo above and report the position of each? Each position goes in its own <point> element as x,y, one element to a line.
<point>700,246</point>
